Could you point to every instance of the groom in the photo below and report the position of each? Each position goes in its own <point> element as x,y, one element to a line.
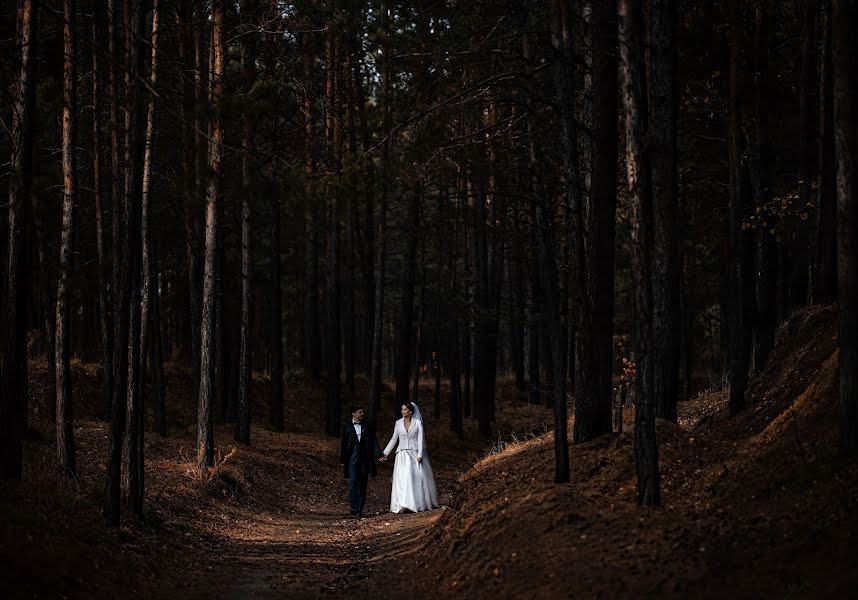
<point>358,450</point>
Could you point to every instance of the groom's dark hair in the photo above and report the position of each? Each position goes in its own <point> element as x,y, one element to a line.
<point>356,407</point>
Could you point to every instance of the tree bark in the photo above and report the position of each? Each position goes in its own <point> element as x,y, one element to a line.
<point>333,146</point>
<point>665,192</point>
<point>276,408</point>
<point>845,54</point>
<point>156,356</point>
<point>14,400</point>
<point>245,365</point>
<point>205,421</point>
<point>121,296</point>
<point>64,418</point>
<point>741,240</point>
<point>104,290</point>
<point>137,224</point>
<point>825,284</point>
<point>406,314</point>
<point>545,229</point>
<point>637,176</point>
<point>594,256</point>
<point>767,249</point>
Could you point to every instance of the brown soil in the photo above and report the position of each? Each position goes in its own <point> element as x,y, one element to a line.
<point>758,505</point>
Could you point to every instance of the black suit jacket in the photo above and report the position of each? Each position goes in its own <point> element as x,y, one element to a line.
<point>368,448</point>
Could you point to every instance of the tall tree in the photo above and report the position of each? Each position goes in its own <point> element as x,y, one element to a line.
<point>245,367</point>
<point>104,290</point>
<point>593,224</point>
<point>120,296</point>
<point>65,432</point>
<point>333,143</point>
<point>740,238</point>
<point>312,336</point>
<point>665,198</point>
<point>845,54</point>
<point>135,145</point>
<point>549,271</point>
<point>767,249</point>
<point>14,401</point>
<point>637,177</point>
<point>825,274</point>
<point>205,416</point>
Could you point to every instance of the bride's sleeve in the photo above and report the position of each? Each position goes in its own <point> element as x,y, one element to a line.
<point>392,442</point>
<point>420,439</point>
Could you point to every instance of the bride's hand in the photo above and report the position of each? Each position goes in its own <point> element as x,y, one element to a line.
<point>382,459</point>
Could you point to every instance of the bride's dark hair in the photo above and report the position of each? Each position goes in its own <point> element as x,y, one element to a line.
<point>409,406</point>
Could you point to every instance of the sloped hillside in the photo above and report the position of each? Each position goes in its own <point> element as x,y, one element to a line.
<point>759,505</point>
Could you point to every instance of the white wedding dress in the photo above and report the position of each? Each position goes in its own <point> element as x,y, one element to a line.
<point>413,486</point>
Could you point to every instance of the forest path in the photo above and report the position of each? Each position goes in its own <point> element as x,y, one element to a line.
<point>302,542</point>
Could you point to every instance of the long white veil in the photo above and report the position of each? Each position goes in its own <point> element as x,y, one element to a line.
<point>416,415</point>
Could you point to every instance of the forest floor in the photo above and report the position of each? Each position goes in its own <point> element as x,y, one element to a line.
<point>758,505</point>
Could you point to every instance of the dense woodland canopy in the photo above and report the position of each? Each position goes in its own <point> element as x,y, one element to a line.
<point>616,202</point>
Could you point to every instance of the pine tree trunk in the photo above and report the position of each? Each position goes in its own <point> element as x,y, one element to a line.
<point>333,143</point>
<point>121,297</point>
<point>312,336</point>
<point>594,258</point>
<point>767,249</point>
<point>637,176</point>
<point>406,314</point>
<point>825,285</point>
<point>137,144</point>
<point>276,408</point>
<point>245,366</point>
<point>665,196</point>
<point>741,241</point>
<point>378,318</point>
<point>64,417</point>
<point>845,55</point>
<point>190,201</point>
<point>205,432</point>
<point>534,319</point>
<point>104,290</point>
<point>14,400</point>
<point>156,356</point>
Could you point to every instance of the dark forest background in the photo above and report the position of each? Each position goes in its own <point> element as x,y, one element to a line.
<point>612,203</point>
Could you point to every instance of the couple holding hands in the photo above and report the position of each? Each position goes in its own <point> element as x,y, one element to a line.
<point>413,483</point>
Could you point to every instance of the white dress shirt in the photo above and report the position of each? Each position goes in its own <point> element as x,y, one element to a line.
<point>358,429</point>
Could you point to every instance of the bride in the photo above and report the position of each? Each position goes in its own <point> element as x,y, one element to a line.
<point>413,482</point>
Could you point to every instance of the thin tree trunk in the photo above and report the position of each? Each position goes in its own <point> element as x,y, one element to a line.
<point>104,291</point>
<point>415,388</point>
<point>845,54</point>
<point>64,418</point>
<point>333,142</point>
<point>406,315</point>
<point>245,366</point>
<point>312,336</point>
<point>825,286</point>
<point>276,408</point>
<point>594,258</point>
<point>741,242</point>
<point>378,319</point>
<point>767,249</point>
<point>137,205</point>
<point>121,296</point>
<point>665,197</point>
<point>534,319</point>
<point>205,421</point>
<point>156,344</point>
<point>14,400</point>
<point>637,176</point>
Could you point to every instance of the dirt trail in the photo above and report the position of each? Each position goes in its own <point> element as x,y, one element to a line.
<point>313,549</point>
